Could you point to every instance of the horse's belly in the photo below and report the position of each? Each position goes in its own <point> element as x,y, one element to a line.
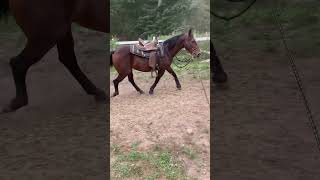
<point>92,14</point>
<point>141,64</point>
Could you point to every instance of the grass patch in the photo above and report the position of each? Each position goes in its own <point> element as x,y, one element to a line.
<point>190,153</point>
<point>155,164</point>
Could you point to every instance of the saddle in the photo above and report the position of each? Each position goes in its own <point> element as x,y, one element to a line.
<point>150,46</point>
<point>151,51</point>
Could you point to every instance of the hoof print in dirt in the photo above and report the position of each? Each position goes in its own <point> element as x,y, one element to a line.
<point>7,109</point>
<point>14,105</point>
<point>222,87</point>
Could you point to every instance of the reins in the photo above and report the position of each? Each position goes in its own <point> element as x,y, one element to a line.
<point>188,61</point>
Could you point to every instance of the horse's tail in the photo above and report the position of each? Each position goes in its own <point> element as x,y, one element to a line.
<point>111,63</point>
<point>4,8</point>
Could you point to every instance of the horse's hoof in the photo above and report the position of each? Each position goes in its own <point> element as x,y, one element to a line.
<point>179,87</point>
<point>100,96</point>
<point>220,77</point>
<point>150,92</point>
<point>141,92</point>
<point>115,94</point>
<point>14,105</point>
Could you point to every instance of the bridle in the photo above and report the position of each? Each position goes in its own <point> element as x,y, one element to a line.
<point>191,49</point>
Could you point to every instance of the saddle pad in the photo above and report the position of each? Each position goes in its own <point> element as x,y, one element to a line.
<point>145,54</point>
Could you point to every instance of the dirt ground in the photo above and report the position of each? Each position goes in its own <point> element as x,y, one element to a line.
<point>61,133</point>
<point>169,118</point>
<point>261,130</point>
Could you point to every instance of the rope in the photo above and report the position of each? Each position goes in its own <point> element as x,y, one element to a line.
<point>188,61</point>
<point>298,79</point>
<point>234,16</point>
<point>204,90</point>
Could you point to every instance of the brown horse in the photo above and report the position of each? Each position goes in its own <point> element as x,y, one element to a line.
<point>124,61</point>
<point>47,23</point>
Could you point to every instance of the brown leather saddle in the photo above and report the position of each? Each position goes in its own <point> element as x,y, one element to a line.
<point>151,51</point>
<point>150,46</point>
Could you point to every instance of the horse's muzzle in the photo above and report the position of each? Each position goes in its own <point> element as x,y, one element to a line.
<point>196,55</point>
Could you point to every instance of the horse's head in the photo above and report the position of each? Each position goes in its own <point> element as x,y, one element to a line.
<point>191,45</point>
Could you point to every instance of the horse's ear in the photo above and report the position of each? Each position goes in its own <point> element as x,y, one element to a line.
<point>190,32</point>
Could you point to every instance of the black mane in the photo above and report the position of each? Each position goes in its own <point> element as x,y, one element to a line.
<point>171,42</point>
<point>4,8</point>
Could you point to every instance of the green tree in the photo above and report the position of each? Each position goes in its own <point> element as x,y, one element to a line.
<point>133,18</point>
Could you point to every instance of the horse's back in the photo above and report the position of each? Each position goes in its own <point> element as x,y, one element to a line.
<point>41,17</point>
<point>59,14</point>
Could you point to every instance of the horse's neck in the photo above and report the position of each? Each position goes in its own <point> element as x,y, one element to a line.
<point>178,46</point>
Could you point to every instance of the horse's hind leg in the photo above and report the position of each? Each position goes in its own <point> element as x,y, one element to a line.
<point>68,58</point>
<point>131,80</point>
<point>116,83</point>
<point>170,70</point>
<point>160,74</point>
<point>20,64</point>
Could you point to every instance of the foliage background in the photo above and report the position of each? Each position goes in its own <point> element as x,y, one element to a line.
<point>131,19</point>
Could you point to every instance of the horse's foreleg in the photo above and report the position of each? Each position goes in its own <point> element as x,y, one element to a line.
<point>131,80</point>
<point>116,83</point>
<point>160,74</point>
<point>170,70</point>
<point>68,58</point>
<point>20,64</point>
<point>217,72</point>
